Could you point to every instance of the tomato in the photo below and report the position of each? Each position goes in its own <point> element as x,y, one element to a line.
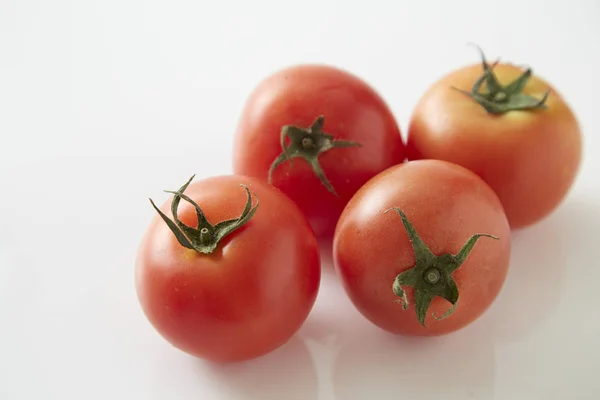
<point>423,248</point>
<point>318,133</point>
<point>234,290</point>
<point>525,145</point>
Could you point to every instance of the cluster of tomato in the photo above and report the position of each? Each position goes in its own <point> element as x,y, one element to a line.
<point>420,229</point>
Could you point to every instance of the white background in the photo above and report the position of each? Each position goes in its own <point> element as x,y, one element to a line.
<point>106,103</point>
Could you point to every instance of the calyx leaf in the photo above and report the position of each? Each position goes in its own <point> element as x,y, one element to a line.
<point>308,144</point>
<point>498,99</point>
<point>205,237</point>
<point>431,275</point>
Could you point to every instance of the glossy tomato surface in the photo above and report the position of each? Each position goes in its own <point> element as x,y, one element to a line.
<point>446,205</point>
<point>246,298</point>
<point>529,157</point>
<point>351,110</point>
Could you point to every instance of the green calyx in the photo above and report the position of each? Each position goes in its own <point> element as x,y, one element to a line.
<point>205,237</point>
<point>498,99</point>
<point>308,144</point>
<point>431,275</point>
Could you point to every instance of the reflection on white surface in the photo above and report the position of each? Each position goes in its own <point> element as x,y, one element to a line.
<point>452,367</point>
<point>539,263</point>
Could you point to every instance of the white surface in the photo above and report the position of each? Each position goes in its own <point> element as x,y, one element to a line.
<point>105,103</point>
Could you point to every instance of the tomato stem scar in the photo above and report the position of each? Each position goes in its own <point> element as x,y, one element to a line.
<point>205,237</point>
<point>308,144</point>
<point>431,275</point>
<point>498,99</point>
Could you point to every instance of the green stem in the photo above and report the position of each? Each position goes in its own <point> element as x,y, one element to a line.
<point>308,144</point>
<point>498,99</point>
<point>431,275</point>
<point>205,237</point>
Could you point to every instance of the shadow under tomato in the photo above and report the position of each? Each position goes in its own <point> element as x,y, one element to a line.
<point>333,313</point>
<point>289,371</point>
<point>377,364</point>
<point>326,251</point>
<point>539,261</point>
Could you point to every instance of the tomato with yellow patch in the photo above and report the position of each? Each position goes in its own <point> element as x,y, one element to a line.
<point>520,135</point>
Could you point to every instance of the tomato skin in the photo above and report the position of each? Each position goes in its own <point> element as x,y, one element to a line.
<point>352,111</point>
<point>446,204</point>
<point>249,296</point>
<point>529,158</point>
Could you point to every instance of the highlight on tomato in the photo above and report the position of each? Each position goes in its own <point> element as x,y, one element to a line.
<point>423,248</point>
<point>233,273</point>
<point>507,125</point>
<point>318,133</point>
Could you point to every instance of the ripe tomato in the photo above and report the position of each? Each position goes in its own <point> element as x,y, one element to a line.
<point>317,133</point>
<point>421,241</point>
<point>247,283</point>
<point>525,145</point>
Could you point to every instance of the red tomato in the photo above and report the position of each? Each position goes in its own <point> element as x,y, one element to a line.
<point>414,244</point>
<point>247,283</point>
<point>336,131</point>
<point>525,146</point>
